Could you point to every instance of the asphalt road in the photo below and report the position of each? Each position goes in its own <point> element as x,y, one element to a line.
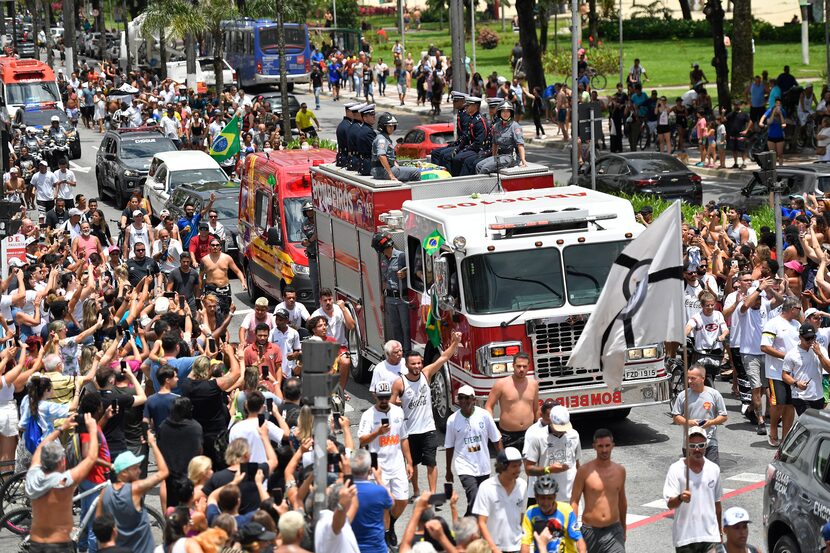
<point>647,442</point>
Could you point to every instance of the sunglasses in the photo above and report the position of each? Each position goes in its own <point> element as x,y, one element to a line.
<point>214,245</point>
<point>697,446</point>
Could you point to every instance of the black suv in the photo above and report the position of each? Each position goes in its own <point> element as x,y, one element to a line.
<point>797,491</point>
<point>123,159</point>
<point>41,119</point>
<point>226,206</point>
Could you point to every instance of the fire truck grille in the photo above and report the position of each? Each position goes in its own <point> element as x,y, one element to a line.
<point>552,345</point>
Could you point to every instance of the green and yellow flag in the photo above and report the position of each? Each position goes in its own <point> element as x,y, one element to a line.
<point>433,323</point>
<point>226,143</point>
<point>432,243</point>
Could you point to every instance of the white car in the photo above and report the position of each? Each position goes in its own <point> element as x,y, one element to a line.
<point>228,73</point>
<point>169,170</point>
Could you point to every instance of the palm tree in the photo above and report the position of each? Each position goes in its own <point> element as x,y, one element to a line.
<point>742,57</point>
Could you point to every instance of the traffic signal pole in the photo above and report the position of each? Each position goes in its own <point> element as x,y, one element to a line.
<point>769,175</point>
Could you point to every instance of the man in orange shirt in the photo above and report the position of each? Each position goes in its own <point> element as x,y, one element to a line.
<point>262,354</point>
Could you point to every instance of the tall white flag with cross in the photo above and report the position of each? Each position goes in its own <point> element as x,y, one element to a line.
<point>641,302</point>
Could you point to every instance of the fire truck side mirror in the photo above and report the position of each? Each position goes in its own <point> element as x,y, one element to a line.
<point>442,277</point>
<point>274,238</point>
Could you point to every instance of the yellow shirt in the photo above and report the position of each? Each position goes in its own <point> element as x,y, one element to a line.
<point>304,119</point>
<point>564,537</point>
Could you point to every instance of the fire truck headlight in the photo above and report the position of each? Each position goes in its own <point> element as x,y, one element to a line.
<point>644,353</point>
<point>299,269</point>
<point>634,354</point>
<point>497,358</point>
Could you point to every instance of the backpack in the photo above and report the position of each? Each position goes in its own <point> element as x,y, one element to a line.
<point>33,434</point>
<point>73,450</point>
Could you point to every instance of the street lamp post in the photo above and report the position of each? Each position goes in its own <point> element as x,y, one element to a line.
<point>621,43</point>
<point>574,96</point>
<point>473,31</point>
<point>334,14</point>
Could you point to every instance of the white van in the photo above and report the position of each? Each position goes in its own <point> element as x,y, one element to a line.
<point>169,170</point>
<point>205,76</point>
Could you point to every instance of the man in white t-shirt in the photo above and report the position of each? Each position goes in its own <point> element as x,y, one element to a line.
<point>333,532</point>
<point>248,429</point>
<point>65,183</point>
<point>167,252</point>
<point>466,443</point>
<point>697,502</point>
<point>500,502</point>
<point>339,319</point>
<point>388,370</point>
<point>297,312</point>
<point>536,435</point>
<point>383,429</point>
<point>803,368</point>
<point>44,184</point>
<point>288,340</point>
<point>691,290</point>
<point>780,335</point>
<point>556,452</point>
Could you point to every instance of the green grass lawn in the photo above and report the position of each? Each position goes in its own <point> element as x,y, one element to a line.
<point>667,62</point>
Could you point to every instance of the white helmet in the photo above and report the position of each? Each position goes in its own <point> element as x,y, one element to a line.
<point>55,119</point>
<point>31,131</point>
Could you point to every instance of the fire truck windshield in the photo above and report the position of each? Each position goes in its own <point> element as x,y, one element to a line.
<point>512,281</point>
<point>586,269</point>
<point>32,93</point>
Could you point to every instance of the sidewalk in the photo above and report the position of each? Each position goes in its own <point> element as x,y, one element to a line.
<point>553,139</point>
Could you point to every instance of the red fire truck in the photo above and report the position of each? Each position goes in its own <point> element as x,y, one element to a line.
<point>521,268</point>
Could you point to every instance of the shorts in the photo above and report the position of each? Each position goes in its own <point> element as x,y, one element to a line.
<point>663,129</point>
<point>87,111</point>
<point>802,405</point>
<point>422,447</point>
<point>562,115</point>
<point>511,438</point>
<point>779,392</point>
<point>754,367</point>
<point>401,89</point>
<point>775,140</point>
<point>66,547</point>
<point>397,484</point>
<point>737,144</point>
<point>8,419</point>
<point>608,539</point>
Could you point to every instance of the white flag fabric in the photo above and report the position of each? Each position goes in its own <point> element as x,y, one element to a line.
<point>641,302</point>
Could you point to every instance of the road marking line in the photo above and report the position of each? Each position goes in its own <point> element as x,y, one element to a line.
<point>670,512</point>
<point>657,504</point>
<point>728,490</point>
<point>78,168</point>
<point>748,477</point>
<point>631,519</point>
<point>243,311</point>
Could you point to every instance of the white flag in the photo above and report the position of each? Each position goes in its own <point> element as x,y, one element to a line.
<point>641,303</point>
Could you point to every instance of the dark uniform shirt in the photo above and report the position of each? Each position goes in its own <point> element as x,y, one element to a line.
<point>389,268</point>
<point>342,134</point>
<point>478,132</point>
<point>364,148</point>
<point>309,228</point>
<point>352,134</point>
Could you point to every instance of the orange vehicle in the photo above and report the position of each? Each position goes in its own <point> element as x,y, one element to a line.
<point>27,82</point>
<point>274,187</point>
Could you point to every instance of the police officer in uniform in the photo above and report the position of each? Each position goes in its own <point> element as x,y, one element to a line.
<point>507,139</point>
<point>352,135</point>
<point>475,138</point>
<point>384,166</point>
<point>365,139</point>
<point>441,156</point>
<point>393,279</point>
<point>309,230</point>
<point>469,167</point>
<point>342,135</point>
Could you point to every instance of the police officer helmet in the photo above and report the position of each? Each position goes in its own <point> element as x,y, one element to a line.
<point>506,105</point>
<point>381,241</point>
<point>386,119</point>
<point>546,485</point>
<point>307,206</point>
<point>55,119</point>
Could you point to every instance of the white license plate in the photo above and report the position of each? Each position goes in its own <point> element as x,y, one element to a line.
<point>640,373</point>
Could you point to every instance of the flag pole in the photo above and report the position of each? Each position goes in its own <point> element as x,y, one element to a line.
<point>686,407</point>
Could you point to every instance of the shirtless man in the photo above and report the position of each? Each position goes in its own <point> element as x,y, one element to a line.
<point>602,483</point>
<point>518,400</point>
<point>51,488</point>
<point>214,270</point>
<point>562,105</point>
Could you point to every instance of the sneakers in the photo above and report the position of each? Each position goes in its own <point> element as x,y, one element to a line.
<point>743,165</point>
<point>391,538</point>
<point>735,165</point>
<point>772,442</point>
<point>762,429</point>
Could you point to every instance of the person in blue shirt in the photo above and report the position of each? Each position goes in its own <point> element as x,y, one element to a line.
<point>756,96</point>
<point>182,365</point>
<point>775,120</point>
<point>774,93</point>
<point>189,224</point>
<point>374,501</point>
<point>640,99</point>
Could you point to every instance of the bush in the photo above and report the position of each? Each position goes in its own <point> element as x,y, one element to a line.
<point>604,60</point>
<point>487,38</point>
<point>656,28</point>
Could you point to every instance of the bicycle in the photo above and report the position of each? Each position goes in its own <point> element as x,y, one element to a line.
<point>19,520</point>
<point>598,80</point>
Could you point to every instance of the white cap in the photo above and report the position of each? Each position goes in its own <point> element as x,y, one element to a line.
<point>696,430</point>
<point>16,262</point>
<point>466,390</point>
<point>137,212</point>
<point>810,312</point>
<point>560,419</point>
<point>74,212</point>
<point>383,389</point>
<point>162,305</point>
<point>508,455</point>
<point>735,515</point>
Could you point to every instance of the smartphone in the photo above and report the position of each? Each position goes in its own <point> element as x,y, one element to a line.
<point>278,496</point>
<point>269,404</point>
<point>123,366</point>
<point>198,303</point>
<point>212,344</point>
<point>170,295</point>
<point>261,418</point>
<point>250,471</point>
<point>448,489</point>
<point>336,419</point>
<point>181,302</point>
<point>437,499</point>
<point>265,372</point>
<point>334,460</point>
<point>81,424</point>
<point>43,226</point>
<point>374,457</point>
<point>384,421</point>
<point>539,526</point>
<point>347,479</point>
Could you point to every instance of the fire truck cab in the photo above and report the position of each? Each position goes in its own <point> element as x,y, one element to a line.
<point>27,82</point>
<point>521,268</point>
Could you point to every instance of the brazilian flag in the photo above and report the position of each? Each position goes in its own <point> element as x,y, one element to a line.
<point>432,243</point>
<point>433,323</point>
<point>226,143</point>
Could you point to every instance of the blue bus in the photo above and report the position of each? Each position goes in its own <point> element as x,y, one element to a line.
<point>251,49</point>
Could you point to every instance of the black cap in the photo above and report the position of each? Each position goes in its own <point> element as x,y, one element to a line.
<point>807,331</point>
<point>203,226</point>
<point>646,210</point>
<point>253,532</point>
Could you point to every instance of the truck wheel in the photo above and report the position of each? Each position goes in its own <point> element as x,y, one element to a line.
<point>441,400</point>
<point>360,365</point>
<point>121,196</point>
<point>253,289</point>
<point>786,544</point>
<point>100,185</point>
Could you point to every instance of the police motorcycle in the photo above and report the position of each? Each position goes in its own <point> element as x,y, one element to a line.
<point>55,149</point>
<point>29,139</point>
